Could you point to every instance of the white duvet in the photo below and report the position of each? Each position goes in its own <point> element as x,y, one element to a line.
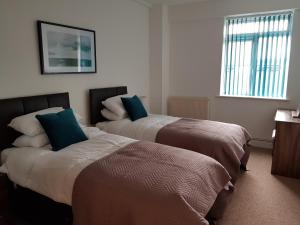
<point>53,173</point>
<point>143,129</point>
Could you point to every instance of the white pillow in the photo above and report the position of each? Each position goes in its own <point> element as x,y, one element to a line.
<point>28,141</point>
<point>30,126</point>
<point>115,105</point>
<point>78,117</point>
<point>92,132</point>
<point>110,115</point>
<point>42,140</point>
<point>145,102</point>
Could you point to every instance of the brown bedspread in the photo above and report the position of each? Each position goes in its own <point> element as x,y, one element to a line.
<point>147,183</point>
<point>222,141</point>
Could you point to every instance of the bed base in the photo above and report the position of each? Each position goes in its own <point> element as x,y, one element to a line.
<point>35,208</point>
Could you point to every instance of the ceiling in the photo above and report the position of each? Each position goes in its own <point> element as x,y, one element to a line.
<point>171,1</point>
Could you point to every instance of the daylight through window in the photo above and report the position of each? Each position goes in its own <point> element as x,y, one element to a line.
<point>256,54</point>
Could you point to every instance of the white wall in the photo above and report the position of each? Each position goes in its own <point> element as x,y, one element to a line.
<point>156,66</point>
<point>122,40</point>
<point>196,38</point>
<point>159,58</point>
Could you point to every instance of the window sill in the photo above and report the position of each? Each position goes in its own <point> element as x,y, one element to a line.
<point>255,98</point>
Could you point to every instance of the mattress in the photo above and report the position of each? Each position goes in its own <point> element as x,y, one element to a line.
<point>53,174</point>
<point>143,129</point>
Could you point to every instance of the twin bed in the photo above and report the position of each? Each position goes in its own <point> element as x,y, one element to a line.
<point>112,179</point>
<point>226,143</point>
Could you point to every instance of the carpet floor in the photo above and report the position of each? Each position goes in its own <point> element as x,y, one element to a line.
<point>261,198</point>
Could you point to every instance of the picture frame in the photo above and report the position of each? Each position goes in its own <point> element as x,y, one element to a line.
<point>66,49</point>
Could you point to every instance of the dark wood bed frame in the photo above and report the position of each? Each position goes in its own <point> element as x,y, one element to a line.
<point>96,96</point>
<point>33,207</point>
<point>13,107</point>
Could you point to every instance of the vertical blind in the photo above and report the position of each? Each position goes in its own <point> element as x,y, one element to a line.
<point>256,53</point>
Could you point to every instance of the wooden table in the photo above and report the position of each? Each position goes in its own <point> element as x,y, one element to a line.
<point>286,152</point>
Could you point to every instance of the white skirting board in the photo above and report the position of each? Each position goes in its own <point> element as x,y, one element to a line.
<point>255,142</point>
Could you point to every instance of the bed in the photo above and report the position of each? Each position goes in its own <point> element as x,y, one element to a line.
<point>110,179</point>
<point>227,143</point>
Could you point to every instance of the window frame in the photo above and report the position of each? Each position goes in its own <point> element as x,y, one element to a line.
<point>255,37</point>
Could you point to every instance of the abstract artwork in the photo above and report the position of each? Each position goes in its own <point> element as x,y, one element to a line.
<point>65,49</point>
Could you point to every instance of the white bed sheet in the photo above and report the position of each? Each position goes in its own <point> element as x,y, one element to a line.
<point>53,173</point>
<point>143,129</point>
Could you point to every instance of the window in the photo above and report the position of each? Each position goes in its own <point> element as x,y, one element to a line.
<point>256,53</point>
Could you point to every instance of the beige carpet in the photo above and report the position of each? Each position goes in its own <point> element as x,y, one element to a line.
<point>261,198</point>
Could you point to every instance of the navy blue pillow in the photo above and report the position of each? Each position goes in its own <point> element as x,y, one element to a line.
<point>62,129</point>
<point>134,108</point>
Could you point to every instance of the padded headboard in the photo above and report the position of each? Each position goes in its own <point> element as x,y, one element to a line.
<point>13,107</point>
<point>97,96</point>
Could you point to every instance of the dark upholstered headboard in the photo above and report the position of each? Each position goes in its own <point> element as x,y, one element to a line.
<point>13,107</point>
<point>97,96</point>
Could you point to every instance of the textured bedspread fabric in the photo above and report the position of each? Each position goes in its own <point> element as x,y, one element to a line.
<point>146,183</point>
<point>53,174</point>
<point>221,141</point>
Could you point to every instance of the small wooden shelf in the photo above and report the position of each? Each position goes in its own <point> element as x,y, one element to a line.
<point>286,152</point>
<point>283,115</point>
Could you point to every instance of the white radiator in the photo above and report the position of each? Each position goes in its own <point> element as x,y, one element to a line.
<point>189,107</point>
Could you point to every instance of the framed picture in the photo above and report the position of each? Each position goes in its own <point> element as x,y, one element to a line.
<point>65,49</point>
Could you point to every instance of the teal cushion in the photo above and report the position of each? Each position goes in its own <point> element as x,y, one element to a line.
<point>62,129</point>
<point>134,108</point>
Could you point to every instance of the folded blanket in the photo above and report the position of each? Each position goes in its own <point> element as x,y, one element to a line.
<point>146,183</point>
<point>222,141</point>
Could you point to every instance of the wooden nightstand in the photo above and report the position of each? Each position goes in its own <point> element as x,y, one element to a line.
<point>5,200</point>
<point>286,152</point>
